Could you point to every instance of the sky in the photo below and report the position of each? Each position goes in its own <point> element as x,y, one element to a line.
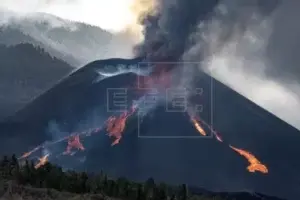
<point>269,72</point>
<point>267,76</point>
<point>113,15</point>
<point>261,62</point>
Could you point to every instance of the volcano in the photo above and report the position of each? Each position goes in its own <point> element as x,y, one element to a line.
<point>161,145</point>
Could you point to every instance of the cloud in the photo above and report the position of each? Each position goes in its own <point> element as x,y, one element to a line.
<point>113,15</point>
<point>284,42</point>
<point>12,11</point>
<point>118,17</point>
<point>237,52</point>
<point>167,30</point>
<point>248,45</point>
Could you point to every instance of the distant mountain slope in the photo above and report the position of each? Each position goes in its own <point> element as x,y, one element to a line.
<point>26,72</point>
<point>13,36</point>
<point>78,103</point>
<point>76,43</point>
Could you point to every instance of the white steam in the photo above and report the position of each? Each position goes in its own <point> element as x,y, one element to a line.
<point>234,44</point>
<point>77,31</point>
<point>14,12</point>
<point>111,15</point>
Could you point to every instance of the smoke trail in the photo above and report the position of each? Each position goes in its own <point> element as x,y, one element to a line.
<point>241,43</point>
<point>166,36</point>
<point>234,47</point>
<point>54,131</point>
<point>167,30</point>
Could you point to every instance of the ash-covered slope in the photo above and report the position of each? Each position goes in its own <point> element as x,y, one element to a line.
<point>78,102</point>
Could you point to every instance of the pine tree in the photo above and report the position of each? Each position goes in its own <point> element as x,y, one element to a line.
<point>5,167</point>
<point>140,193</point>
<point>161,193</point>
<point>126,189</point>
<point>99,183</point>
<point>149,188</point>
<point>83,180</point>
<point>150,183</point>
<point>173,197</point>
<point>121,186</point>
<point>91,185</point>
<point>111,188</point>
<point>27,172</point>
<point>105,184</point>
<point>14,160</point>
<point>117,189</point>
<point>32,172</point>
<point>183,192</point>
<point>15,168</point>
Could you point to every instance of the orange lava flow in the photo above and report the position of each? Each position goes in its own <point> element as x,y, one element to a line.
<point>42,161</point>
<point>198,127</point>
<point>27,154</point>
<point>116,125</point>
<point>74,143</point>
<point>218,137</point>
<point>255,164</point>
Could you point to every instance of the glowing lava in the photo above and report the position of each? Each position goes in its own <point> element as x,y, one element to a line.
<point>218,137</point>
<point>74,143</point>
<point>198,127</point>
<point>255,164</point>
<point>27,154</point>
<point>116,125</point>
<point>198,119</point>
<point>42,161</point>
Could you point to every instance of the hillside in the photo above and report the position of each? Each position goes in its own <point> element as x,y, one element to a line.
<point>75,43</point>
<point>79,105</point>
<point>27,180</point>
<point>26,72</point>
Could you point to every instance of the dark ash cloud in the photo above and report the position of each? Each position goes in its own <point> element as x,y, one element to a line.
<point>167,33</point>
<point>251,45</point>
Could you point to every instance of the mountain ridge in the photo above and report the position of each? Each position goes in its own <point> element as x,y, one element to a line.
<point>80,105</point>
<point>74,42</point>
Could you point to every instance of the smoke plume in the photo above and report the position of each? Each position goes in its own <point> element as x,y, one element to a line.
<point>167,30</point>
<point>247,45</point>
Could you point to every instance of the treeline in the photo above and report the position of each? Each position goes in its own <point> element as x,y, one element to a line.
<point>52,176</point>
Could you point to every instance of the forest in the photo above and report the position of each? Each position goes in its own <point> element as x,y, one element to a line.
<point>54,177</point>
